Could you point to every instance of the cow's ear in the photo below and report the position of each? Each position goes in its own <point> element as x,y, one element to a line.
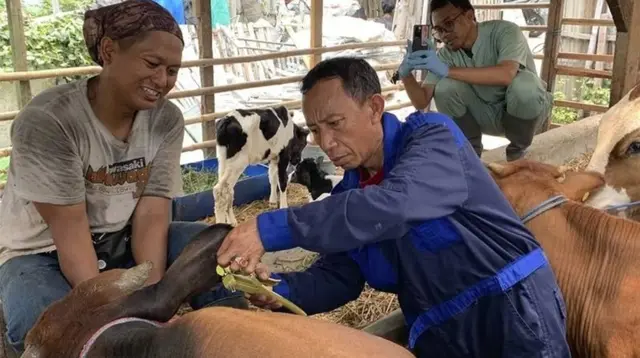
<point>577,185</point>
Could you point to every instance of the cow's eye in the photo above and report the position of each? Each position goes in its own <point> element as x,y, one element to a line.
<point>634,148</point>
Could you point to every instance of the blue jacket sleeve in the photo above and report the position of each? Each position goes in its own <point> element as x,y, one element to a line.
<point>331,282</point>
<point>428,181</point>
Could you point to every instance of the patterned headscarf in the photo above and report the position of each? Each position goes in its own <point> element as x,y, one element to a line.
<point>128,18</point>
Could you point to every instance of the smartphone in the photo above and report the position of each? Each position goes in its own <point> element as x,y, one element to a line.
<point>420,38</point>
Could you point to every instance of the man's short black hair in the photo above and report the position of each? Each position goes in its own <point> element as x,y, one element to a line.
<point>460,4</point>
<point>359,79</point>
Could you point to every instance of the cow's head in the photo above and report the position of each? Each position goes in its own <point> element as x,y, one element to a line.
<point>527,183</point>
<point>64,327</point>
<point>617,153</point>
<point>297,144</point>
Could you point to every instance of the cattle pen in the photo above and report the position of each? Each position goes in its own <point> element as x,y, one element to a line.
<point>245,55</point>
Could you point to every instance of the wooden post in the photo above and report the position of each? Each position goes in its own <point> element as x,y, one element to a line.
<point>19,49</point>
<point>626,62</point>
<point>316,30</point>
<point>552,44</point>
<point>205,43</point>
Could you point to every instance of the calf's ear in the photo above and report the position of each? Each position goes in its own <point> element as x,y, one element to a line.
<point>576,185</point>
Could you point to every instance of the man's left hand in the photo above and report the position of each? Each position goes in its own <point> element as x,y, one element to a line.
<point>242,248</point>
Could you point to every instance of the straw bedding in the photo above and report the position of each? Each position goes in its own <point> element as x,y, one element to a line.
<point>371,305</point>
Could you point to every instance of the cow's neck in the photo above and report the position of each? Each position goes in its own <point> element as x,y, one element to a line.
<point>591,253</point>
<point>124,337</point>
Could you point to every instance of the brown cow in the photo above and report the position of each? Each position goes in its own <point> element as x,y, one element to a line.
<point>74,322</point>
<point>594,255</point>
<point>617,156</point>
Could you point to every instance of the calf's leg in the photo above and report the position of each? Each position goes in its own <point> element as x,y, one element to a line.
<point>28,284</point>
<point>282,181</point>
<point>234,173</point>
<point>273,180</point>
<point>219,189</point>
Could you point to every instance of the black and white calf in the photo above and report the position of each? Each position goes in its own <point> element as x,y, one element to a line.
<point>317,181</point>
<point>251,136</point>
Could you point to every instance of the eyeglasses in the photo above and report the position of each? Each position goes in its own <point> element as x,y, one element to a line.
<point>447,26</point>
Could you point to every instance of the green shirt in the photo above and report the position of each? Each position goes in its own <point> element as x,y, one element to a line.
<point>498,40</point>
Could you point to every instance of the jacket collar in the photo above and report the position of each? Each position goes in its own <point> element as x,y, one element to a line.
<point>392,135</point>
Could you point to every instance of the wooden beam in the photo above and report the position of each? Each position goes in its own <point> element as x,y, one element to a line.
<point>205,44</point>
<point>538,5</point>
<point>316,30</point>
<point>19,49</point>
<point>626,62</point>
<point>585,56</point>
<point>587,22</point>
<point>552,44</point>
<point>580,105</point>
<point>582,72</point>
<point>621,13</point>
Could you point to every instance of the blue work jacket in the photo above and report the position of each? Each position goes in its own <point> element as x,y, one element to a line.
<point>437,231</point>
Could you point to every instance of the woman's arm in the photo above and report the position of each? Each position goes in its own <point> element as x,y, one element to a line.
<point>70,230</point>
<point>46,169</point>
<point>150,234</point>
<point>151,218</point>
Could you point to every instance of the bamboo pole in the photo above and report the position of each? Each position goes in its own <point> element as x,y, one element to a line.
<point>205,44</point>
<point>317,8</point>
<point>89,70</point>
<point>254,84</point>
<point>552,44</point>
<point>19,49</point>
<point>7,116</point>
<point>295,104</point>
<point>5,152</point>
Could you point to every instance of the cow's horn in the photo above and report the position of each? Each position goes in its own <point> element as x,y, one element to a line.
<point>496,168</point>
<point>31,352</point>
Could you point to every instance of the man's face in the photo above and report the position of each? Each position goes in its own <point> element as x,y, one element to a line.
<point>452,25</point>
<point>349,132</point>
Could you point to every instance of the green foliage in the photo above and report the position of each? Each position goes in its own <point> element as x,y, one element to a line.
<point>562,115</point>
<point>45,8</point>
<point>56,42</point>
<point>585,91</point>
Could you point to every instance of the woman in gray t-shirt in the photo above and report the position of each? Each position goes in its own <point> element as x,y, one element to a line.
<point>94,163</point>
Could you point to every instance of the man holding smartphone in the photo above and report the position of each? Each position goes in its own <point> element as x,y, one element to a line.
<point>484,78</point>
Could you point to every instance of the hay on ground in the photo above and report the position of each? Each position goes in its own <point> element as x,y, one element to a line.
<point>579,162</point>
<point>368,308</point>
<point>371,306</point>
<point>296,195</point>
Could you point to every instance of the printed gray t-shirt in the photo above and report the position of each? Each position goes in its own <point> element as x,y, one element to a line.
<point>62,154</point>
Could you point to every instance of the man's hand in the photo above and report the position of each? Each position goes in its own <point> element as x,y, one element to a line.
<point>242,248</point>
<point>428,60</point>
<point>263,301</point>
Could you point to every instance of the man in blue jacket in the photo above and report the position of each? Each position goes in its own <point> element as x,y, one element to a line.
<point>417,214</point>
